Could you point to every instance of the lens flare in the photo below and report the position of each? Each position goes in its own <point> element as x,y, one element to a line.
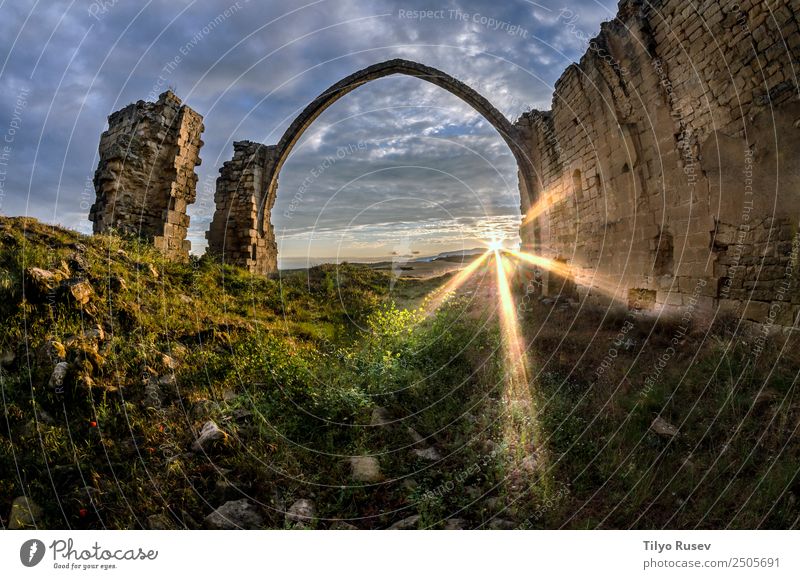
<point>516,366</point>
<point>594,282</point>
<point>442,294</point>
<point>495,244</point>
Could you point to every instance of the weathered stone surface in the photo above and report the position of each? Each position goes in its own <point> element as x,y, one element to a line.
<point>407,524</point>
<point>241,232</point>
<point>663,428</point>
<point>78,290</point>
<point>380,417</point>
<point>145,177</point>
<point>210,436</point>
<point>365,469</point>
<point>455,524</point>
<point>24,514</point>
<point>302,511</point>
<point>241,514</point>
<point>38,283</point>
<point>663,178</point>
<point>428,453</point>
<point>58,375</point>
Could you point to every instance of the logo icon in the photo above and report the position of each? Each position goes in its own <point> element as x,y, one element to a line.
<point>31,553</point>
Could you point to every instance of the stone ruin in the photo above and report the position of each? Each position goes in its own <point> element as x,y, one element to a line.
<point>665,177</point>
<point>145,177</point>
<point>668,170</point>
<point>241,232</point>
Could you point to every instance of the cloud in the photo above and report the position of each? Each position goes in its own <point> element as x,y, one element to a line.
<point>249,67</point>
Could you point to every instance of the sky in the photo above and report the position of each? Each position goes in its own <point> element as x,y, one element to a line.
<point>411,167</point>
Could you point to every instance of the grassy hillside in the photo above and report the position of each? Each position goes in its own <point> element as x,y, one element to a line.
<point>115,362</point>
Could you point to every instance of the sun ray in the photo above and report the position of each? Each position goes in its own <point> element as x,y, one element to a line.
<point>593,281</point>
<point>443,293</point>
<point>517,371</point>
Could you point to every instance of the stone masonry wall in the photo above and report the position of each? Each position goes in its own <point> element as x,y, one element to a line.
<point>667,172</point>
<point>145,178</point>
<point>241,232</point>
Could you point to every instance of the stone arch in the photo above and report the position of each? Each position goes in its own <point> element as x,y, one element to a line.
<point>243,249</point>
<point>390,67</point>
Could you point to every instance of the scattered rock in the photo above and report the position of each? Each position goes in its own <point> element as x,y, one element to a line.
<point>380,417</point>
<point>241,415</point>
<point>342,526</point>
<point>153,271</point>
<point>410,485</point>
<point>53,351</point>
<point>407,524</point>
<point>79,262</point>
<point>185,299</point>
<point>415,436</point>
<point>241,514</point>
<point>210,436</point>
<point>501,525</point>
<point>159,522</point>
<point>428,453</point>
<point>58,376</point>
<point>301,511</point>
<point>95,333</point>
<point>167,379</point>
<point>455,525</point>
<point>117,283</point>
<point>24,514</point>
<point>38,283</point>
<point>7,358</point>
<point>78,289</point>
<point>62,272</point>
<point>663,428</point>
<point>365,469</point>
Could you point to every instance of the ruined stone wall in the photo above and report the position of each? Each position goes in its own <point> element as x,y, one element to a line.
<point>241,232</point>
<point>145,178</point>
<point>667,172</point>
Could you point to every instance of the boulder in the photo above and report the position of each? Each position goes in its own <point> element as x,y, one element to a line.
<point>380,417</point>
<point>407,524</point>
<point>7,357</point>
<point>663,428</point>
<point>38,283</point>
<point>210,436</point>
<point>365,469</point>
<point>241,514</point>
<point>77,289</point>
<point>428,453</point>
<point>342,526</point>
<point>456,524</point>
<point>501,525</point>
<point>24,514</point>
<point>301,511</point>
<point>58,376</point>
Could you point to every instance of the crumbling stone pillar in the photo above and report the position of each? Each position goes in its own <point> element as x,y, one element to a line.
<point>241,232</point>
<point>145,178</point>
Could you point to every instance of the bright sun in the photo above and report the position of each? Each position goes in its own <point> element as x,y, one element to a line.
<point>495,244</point>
